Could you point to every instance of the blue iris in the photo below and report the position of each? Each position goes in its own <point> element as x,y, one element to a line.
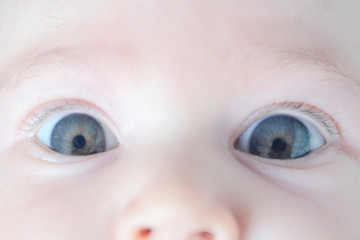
<point>280,137</point>
<point>78,134</point>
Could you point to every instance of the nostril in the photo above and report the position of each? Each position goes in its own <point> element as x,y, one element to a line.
<point>143,233</point>
<point>206,236</point>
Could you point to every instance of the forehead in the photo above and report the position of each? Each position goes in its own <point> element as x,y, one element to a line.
<point>250,20</point>
<point>183,31</point>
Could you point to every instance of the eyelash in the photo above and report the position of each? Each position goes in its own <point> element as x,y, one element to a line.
<point>325,123</point>
<point>325,120</point>
<point>35,119</point>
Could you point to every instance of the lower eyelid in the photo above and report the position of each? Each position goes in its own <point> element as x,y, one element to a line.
<point>315,159</point>
<point>44,165</point>
<point>44,154</point>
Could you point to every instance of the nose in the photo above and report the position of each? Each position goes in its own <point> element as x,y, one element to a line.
<point>176,212</point>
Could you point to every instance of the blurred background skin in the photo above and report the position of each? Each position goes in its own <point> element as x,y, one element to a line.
<point>175,80</point>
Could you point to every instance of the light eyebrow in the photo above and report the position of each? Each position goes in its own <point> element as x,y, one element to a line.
<point>35,62</point>
<point>18,71</point>
<point>326,64</point>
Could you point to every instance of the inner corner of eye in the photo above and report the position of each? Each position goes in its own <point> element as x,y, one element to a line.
<point>240,142</point>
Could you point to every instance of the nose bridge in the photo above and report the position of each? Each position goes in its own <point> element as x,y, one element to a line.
<point>175,208</point>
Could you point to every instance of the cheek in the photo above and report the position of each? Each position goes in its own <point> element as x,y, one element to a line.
<point>341,201</point>
<point>319,200</point>
<point>41,211</point>
<point>67,211</point>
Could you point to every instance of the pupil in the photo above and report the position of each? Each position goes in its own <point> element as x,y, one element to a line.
<point>278,145</point>
<point>79,142</point>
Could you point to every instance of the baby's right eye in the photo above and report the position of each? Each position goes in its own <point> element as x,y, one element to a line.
<point>76,134</point>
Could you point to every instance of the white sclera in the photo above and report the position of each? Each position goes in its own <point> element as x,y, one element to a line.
<point>316,139</point>
<point>44,134</point>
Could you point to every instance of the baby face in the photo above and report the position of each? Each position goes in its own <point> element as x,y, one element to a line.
<point>211,120</point>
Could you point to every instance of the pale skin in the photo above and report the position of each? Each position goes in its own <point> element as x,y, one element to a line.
<point>176,83</point>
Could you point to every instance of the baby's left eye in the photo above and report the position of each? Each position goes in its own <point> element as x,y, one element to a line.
<point>76,134</point>
<point>280,137</point>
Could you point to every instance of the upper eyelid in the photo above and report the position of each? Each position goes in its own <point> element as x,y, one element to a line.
<point>50,111</point>
<point>39,116</point>
<point>36,118</point>
<point>323,119</point>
